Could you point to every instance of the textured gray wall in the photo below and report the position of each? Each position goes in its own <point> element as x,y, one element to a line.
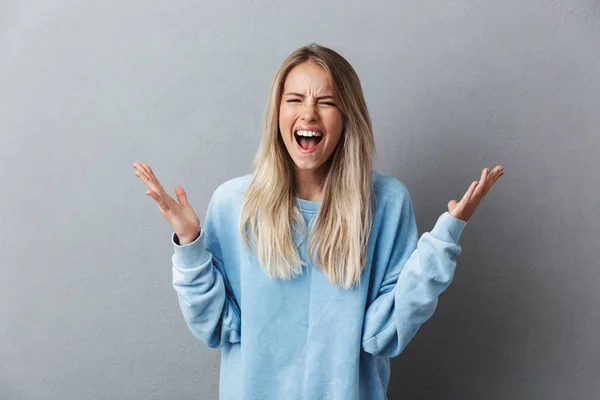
<point>86,88</point>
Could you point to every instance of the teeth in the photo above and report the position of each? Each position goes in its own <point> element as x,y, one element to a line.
<point>309,133</point>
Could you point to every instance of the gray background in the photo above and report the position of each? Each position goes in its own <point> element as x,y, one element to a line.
<point>87,309</point>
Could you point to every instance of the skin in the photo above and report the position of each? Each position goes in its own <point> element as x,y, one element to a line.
<point>309,108</point>
<point>180,214</point>
<point>465,208</point>
<point>311,81</point>
<point>186,224</point>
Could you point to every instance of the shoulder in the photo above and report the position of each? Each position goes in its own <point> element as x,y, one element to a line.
<point>389,192</point>
<point>233,187</point>
<point>230,192</point>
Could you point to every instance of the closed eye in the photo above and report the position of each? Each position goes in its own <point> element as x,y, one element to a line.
<point>324,102</point>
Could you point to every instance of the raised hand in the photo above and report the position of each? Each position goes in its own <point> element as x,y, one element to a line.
<point>181,216</point>
<point>465,208</point>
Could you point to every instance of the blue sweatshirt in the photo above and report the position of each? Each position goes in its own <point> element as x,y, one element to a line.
<point>306,338</point>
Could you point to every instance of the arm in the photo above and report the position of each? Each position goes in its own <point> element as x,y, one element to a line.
<point>417,271</point>
<point>209,307</point>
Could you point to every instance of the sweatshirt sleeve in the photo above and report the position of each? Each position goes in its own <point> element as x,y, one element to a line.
<point>417,271</point>
<point>209,307</point>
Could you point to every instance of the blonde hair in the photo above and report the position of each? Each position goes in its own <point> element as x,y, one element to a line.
<point>268,216</point>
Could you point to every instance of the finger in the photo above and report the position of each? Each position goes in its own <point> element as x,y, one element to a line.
<point>498,175</point>
<point>140,169</point>
<point>495,172</point>
<point>141,173</point>
<point>150,183</point>
<point>152,177</point>
<point>491,179</point>
<point>160,200</point>
<point>469,193</point>
<point>138,166</point>
<point>150,171</point>
<point>480,190</point>
<point>484,174</point>
<point>152,194</point>
<point>181,196</point>
<point>147,169</point>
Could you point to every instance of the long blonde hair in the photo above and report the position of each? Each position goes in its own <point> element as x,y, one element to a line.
<point>269,215</point>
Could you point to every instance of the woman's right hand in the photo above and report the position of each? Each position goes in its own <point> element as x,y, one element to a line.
<point>181,216</point>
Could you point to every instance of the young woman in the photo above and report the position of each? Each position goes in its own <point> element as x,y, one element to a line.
<point>308,273</point>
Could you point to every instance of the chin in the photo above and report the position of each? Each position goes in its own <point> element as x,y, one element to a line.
<point>307,166</point>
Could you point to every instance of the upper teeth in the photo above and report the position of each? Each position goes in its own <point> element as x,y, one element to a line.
<point>309,133</point>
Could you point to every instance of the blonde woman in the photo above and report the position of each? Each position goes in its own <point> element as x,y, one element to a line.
<point>308,272</point>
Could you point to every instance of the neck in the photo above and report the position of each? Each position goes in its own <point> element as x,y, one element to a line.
<point>309,185</point>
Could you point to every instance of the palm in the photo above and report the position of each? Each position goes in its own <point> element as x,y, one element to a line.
<point>465,208</point>
<point>180,214</point>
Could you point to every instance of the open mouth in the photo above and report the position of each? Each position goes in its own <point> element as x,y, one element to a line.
<point>307,142</point>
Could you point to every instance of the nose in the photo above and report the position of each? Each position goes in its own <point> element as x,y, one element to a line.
<point>309,113</point>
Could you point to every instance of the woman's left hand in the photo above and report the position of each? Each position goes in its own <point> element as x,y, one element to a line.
<point>465,208</point>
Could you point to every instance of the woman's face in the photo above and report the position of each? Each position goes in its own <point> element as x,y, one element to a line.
<point>307,104</point>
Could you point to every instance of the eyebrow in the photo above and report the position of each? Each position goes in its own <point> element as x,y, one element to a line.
<point>301,95</point>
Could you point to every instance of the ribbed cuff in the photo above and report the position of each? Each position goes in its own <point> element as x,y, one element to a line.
<point>448,228</point>
<point>192,254</point>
